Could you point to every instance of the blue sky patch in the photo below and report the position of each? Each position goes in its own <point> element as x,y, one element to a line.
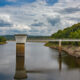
<point>51,2</point>
<point>17,2</point>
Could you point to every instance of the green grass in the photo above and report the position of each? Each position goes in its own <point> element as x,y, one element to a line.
<point>2,43</point>
<point>51,44</point>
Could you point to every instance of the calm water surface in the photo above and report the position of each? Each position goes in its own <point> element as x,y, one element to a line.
<point>41,63</point>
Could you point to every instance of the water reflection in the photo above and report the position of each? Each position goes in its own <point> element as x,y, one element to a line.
<point>20,61</point>
<point>71,62</point>
<point>42,63</point>
<point>60,62</point>
<point>21,73</point>
<point>78,62</point>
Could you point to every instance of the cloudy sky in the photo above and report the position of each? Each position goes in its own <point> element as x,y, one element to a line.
<point>37,17</point>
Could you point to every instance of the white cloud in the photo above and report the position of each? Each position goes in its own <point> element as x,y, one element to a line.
<point>63,14</point>
<point>11,0</point>
<point>5,17</point>
<point>69,0</point>
<point>21,27</point>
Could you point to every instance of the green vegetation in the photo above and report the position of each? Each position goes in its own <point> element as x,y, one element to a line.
<point>51,44</point>
<point>10,37</point>
<point>2,40</point>
<point>72,32</point>
<point>37,37</point>
<point>29,37</point>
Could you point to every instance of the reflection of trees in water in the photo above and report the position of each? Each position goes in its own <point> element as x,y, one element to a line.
<point>21,73</point>
<point>71,62</point>
<point>60,62</point>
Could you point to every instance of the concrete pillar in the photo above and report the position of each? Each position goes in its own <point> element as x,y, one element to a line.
<point>20,70</point>
<point>20,49</point>
<point>21,38</point>
<point>20,44</point>
<point>60,47</point>
<point>20,58</point>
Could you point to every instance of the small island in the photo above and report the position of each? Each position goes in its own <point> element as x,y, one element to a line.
<point>2,40</point>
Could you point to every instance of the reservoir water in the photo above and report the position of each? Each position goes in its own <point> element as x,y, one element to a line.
<point>40,63</point>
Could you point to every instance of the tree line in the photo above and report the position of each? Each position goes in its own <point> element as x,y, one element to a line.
<point>2,39</point>
<point>72,32</point>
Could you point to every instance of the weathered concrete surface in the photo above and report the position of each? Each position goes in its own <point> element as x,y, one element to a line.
<point>20,49</point>
<point>21,38</point>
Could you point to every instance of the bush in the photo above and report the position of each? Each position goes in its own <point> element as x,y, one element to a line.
<point>2,39</point>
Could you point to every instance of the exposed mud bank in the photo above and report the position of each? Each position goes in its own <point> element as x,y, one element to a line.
<point>71,50</point>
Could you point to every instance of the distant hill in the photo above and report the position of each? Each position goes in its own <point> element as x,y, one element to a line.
<point>72,32</point>
<point>9,37</point>
<point>30,37</point>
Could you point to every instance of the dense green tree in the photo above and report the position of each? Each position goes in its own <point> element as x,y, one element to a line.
<point>72,32</point>
<point>2,39</point>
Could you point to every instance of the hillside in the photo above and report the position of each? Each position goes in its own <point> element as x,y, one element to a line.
<point>72,48</point>
<point>72,32</point>
<point>29,37</point>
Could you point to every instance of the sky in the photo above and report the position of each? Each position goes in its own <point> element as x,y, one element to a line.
<point>37,17</point>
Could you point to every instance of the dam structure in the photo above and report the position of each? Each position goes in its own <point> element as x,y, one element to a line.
<point>20,72</point>
<point>20,44</point>
<point>21,39</point>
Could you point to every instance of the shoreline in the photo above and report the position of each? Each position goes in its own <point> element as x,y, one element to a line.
<point>1,43</point>
<point>69,49</point>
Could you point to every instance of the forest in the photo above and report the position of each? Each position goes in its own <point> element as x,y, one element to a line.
<point>72,32</point>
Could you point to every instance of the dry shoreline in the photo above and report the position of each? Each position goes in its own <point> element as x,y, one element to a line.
<point>71,50</point>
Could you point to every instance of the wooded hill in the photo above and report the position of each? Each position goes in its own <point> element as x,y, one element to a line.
<point>72,32</point>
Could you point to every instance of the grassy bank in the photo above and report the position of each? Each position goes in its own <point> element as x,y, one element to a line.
<point>2,43</point>
<point>70,49</point>
<point>2,40</point>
